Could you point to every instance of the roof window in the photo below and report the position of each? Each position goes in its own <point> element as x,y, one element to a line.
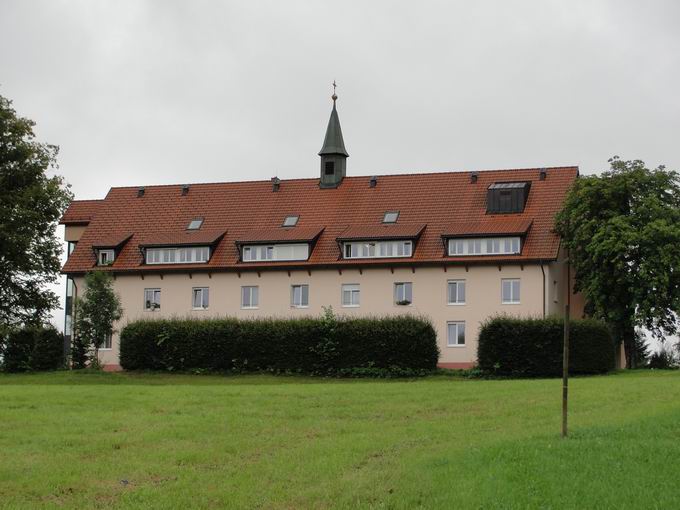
<point>391,217</point>
<point>195,224</point>
<point>290,221</point>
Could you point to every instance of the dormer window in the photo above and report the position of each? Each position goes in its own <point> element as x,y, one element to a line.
<point>378,249</point>
<point>290,221</point>
<point>507,197</point>
<point>195,224</point>
<point>275,252</point>
<point>105,257</point>
<point>391,217</point>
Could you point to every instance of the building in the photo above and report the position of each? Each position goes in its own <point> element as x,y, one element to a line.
<point>457,247</point>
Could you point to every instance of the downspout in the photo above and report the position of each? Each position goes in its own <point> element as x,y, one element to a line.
<point>543,273</point>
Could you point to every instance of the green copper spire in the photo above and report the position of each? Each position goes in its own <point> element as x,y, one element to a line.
<point>333,153</point>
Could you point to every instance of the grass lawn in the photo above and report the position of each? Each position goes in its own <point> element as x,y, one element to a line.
<point>175,441</point>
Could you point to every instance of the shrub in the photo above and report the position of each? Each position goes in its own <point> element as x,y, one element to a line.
<point>33,348</point>
<point>533,347</point>
<point>315,345</point>
<point>663,359</point>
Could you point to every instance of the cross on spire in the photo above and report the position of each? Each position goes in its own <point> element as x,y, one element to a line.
<point>334,96</point>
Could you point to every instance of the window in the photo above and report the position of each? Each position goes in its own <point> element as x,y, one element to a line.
<point>329,168</point>
<point>510,291</point>
<point>403,293</point>
<point>152,299</point>
<point>276,252</point>
<point>484,246</point>
<point>299,296</point>
<point>188,255</point>
<point>351,295</point>
<point>105,257</point>
<point>456,292</point>
<point>106,343</point>
<point>250,297</point>
<point>200,298</point>
<point>391,217</point>
<point>290,221</point>
<point>378,249</point>
<point>195,224</point>
<point>456,334</point>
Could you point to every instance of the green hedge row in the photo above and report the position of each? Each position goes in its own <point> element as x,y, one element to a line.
<point>32,349</point>
<point>324,345</point>
<point>533,347</point>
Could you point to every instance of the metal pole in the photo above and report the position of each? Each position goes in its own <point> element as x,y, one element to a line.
<point>565,356</point>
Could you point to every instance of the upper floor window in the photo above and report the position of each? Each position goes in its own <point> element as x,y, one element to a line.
<point>378,249</point>
<point>188,255</point>
<point>299,296</point>
<point>403,293</point>
<point>250,297</point>
<point>351,295</point>
<point>105,257</point>
<point>195,224</point>
<point>290,221</point>
<point>510,291</point>
<point>456,292</point>
<point>152,299</point>
<point>200,298</point>
<point>484,246</point>
<point>298,251</point>
<point>391,217</point>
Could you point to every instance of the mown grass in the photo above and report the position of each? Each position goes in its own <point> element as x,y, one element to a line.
<point>177,441</point>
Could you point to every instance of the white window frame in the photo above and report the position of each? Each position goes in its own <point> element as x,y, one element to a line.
<point>378,249</point>
<point>457,325</point>
<point>402,295</point>
<point>107,341</point>
<point>354,290</point>
<point>205,298</point>
<point>195,224</point>
<point>110,257</point>
<point>275,252</point>
<point>387,217</point>
<point>515,294</point>
<point>155,304</point>
<point>178,255</point>
<point>459,284</point>
<point>290,220</point>
<point>252,291</point>
<point>475,246</point>
<point>297,298</point>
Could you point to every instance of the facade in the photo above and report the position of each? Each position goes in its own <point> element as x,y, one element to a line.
<point>457,247</point>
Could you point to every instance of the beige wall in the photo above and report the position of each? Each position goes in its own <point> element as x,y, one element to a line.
<point>483,297</point>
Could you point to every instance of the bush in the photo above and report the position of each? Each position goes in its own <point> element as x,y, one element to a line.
<point>663,359</point>
<point>323,346</point>
<point>533,347</point>
<point>33,348</point>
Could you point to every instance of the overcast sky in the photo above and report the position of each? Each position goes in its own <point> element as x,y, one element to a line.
<point>141,92</point>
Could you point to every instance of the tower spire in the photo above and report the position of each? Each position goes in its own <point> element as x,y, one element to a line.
<point>333,153</point>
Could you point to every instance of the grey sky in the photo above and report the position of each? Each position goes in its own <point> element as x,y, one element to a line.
<point>141,92</point>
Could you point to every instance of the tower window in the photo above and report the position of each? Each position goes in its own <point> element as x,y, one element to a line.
<point>329,169</point>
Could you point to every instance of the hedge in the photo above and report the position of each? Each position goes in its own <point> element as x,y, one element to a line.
<point>533,347</point>
<point>323,345</point>
<point>33,349</point>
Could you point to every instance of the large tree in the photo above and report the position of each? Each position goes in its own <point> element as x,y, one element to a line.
<point>31,203</point>
<point>622,230</point>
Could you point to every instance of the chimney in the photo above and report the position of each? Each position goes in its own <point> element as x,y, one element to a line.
<point>542,174</point>
<point>473,177</point>
<point>276,183</point>
<point>185,190</point>
<point>373,182</point>
<point>140,191</point>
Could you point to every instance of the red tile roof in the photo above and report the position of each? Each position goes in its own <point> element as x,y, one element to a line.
<point>280,235</point>
<point>505,224</point>
<point>242,208</point>
<point>81,212</point>
<point>113,241</point>
<point>181,238</point>
<point>382,231</point>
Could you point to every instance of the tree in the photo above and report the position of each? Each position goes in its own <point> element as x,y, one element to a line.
<point>622,231</point>
<point>96,312</point>
<point>31,203</point>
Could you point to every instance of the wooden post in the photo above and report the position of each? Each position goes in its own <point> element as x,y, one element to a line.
<point>565,356</point>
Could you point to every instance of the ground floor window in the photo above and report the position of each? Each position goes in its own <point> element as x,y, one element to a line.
<point>456,333</point>
<point>351,295</point>
<point>152,299</point>
<point>250,297</point>
<point>403,293</point>
<point>106,343</point>
<point>200,298</point>
<point>299,296</point>
<point>510,291</point>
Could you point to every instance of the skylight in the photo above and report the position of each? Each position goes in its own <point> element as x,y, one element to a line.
<point>290,221</point>
<point>195,224</point>
<point>391,217</point>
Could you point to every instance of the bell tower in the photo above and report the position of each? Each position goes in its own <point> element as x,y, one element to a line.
<point>333,153</point>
